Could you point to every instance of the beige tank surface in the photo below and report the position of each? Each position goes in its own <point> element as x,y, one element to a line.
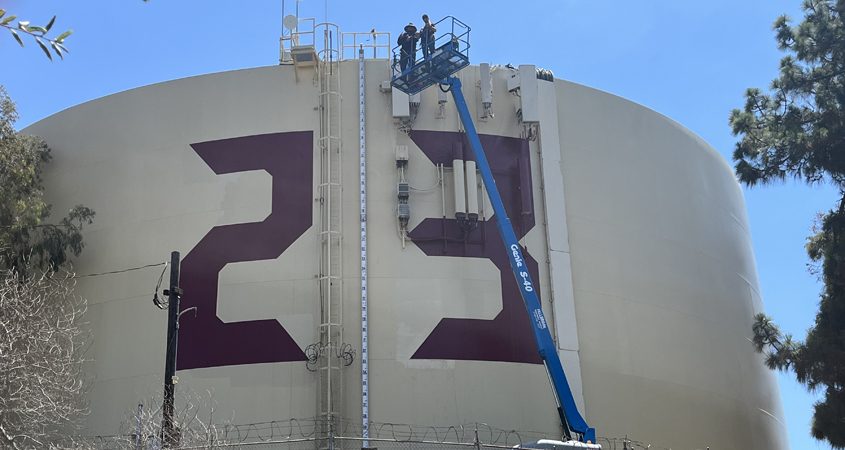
<point>634,227</point>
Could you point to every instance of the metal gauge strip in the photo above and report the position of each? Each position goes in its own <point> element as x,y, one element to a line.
<point>362,162</point>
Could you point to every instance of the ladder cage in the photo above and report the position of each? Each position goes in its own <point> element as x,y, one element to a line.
<point>330,223</point>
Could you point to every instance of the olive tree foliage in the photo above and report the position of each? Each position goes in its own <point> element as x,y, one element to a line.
<point>28,240</point>
<point>42,347</point>
<point>38,33</point>
<point>797,129</point>
<point>42,337</point>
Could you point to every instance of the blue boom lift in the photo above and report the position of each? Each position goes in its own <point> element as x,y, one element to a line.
<point>451,54</point>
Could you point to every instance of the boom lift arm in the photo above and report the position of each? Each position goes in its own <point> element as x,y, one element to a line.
<point>570,418</point>
<point>438,68</point>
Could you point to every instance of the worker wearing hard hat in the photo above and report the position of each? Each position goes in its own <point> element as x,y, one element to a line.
<point>408,46</point>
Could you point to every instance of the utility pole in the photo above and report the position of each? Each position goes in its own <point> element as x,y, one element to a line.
<point>169,434</point>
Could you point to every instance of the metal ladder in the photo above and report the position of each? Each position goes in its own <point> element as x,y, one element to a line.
<point>331,223</point>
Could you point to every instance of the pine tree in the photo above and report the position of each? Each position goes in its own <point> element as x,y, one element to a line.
<point>797,130</point>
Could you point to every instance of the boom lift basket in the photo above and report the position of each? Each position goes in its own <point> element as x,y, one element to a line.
<point>451,54</point>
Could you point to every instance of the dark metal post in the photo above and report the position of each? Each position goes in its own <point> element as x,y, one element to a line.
<point>139,432</point>
<point>169,435</point>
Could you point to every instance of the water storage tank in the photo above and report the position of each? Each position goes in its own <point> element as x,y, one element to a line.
<point>634,227</point>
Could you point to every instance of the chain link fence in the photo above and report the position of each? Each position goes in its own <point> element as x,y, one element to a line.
<point>305,434</point>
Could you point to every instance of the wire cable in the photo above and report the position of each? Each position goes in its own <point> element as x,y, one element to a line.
<point>159,304</point>
<point>121,271</point>
<point>41,225</point>
<point>437,182</point>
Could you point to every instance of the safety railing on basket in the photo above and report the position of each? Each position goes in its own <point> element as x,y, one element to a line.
<point>451,34</point>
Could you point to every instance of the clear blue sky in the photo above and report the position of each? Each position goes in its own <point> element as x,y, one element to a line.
<point>690,60</point>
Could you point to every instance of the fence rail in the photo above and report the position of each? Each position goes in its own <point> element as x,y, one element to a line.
<point>304,434</point>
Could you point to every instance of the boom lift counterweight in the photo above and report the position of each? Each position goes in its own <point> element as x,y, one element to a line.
<point>439,68</point>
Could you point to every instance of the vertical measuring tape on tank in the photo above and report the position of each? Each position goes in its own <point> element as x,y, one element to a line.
<point>362,162</point>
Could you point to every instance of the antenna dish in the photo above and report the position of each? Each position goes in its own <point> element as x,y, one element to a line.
<point>290,22</point>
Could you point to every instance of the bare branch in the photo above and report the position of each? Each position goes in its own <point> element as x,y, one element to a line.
<point>42,338</point>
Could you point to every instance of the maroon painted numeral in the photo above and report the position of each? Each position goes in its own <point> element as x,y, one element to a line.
<point>205,340</point>
<point>508,336</point>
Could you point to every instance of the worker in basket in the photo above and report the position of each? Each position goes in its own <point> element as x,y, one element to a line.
<point>408,46</point>
<point>427,37</point>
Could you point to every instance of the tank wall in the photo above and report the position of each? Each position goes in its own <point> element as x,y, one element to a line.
<point>413,290</point>
<point>128,156</point>
<point>662,271</point>
<point>665,281</point>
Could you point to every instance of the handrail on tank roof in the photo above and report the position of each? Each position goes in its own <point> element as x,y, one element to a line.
<point>330,48</point>
<point>377,44</point>
<point>295,38</point>
<point>338,46</point>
